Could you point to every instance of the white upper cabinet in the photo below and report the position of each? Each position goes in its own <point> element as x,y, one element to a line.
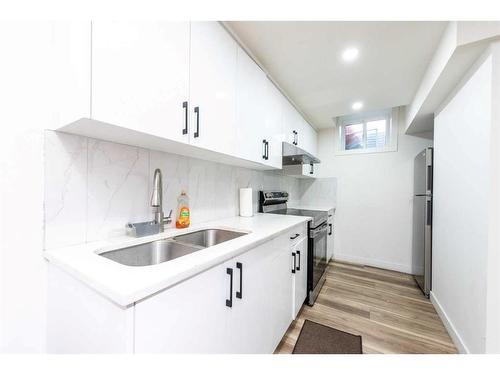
<point>251,108</point>
<point>290,121</point>
<point>307,137</point>
<point>180,85</point>
<point>213,88</point>
<point>297,130</point>
<point>140,76</point>
<point>274,125</point>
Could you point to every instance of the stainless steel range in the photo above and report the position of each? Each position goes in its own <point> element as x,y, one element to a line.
<point>275,202</point>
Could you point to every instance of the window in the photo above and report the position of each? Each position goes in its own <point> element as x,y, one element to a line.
<point>365,133</point>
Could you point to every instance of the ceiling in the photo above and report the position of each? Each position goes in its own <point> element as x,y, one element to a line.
<point>304,59</point>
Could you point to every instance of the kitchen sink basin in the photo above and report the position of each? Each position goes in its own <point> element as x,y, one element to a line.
<point>208,237</point>
<point>150,253</point>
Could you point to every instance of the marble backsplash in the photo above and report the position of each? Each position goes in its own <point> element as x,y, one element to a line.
<point>93,188</point>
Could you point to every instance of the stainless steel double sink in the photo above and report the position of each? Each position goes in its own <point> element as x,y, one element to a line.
<point>160,251</point>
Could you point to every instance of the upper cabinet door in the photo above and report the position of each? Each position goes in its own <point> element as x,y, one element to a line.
<point>274,125</point>
<point>307,137</point>
<point>251,107</point>
<point>213,87</point>
<point>140,76</point>
<point>290,122</point>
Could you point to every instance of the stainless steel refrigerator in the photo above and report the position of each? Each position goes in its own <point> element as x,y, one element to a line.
<point>422,220</point>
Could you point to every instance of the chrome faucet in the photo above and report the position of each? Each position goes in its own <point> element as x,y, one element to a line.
<point>157,201</point>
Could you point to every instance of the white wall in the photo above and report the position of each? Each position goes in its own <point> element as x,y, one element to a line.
<point>22,274</point>
<point>466,210</point>
<point>374,201</point>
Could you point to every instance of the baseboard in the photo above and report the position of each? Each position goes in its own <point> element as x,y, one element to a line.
<point>455,336</point>
<point>373,263</point>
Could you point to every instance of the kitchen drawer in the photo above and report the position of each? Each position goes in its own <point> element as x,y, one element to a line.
<point>297,233</point>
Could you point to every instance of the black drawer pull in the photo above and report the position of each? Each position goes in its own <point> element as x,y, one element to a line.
<point>197,112</point>
<point>185,106</point>
<point>267,150</point>
<point>294,237</point>
<point>331,229</point>
<point>294,263</point>
<point>298,267</point>
<point>264,149</point>
<point>229,302</point>
<point>240,293</point>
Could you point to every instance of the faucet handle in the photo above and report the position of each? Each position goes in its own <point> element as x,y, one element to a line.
<point>168,219</point>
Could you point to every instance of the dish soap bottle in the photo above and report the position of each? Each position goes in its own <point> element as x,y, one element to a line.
<point>183,216</point>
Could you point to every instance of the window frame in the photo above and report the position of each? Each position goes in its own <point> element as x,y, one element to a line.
<point>389,115</point>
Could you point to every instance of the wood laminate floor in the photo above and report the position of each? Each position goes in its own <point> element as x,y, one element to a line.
<point>385,307</point>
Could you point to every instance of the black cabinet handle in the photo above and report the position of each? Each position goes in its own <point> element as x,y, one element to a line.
<point>312,168</point>
<point>294,263</point>
<point>331,229</point>
<point>240,267</point>
<point>267,150</point>
<point>264,149</point>
<point>229,302</point>
<point>185,106</point>
<point>294,237</point>
<point>298,267</point>
<point>294,138</point>
<point>197,112</point>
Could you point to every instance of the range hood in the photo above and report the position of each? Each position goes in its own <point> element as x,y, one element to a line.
<point>293,155</point>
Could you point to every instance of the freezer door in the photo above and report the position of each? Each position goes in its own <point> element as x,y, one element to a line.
<point>422,241</point>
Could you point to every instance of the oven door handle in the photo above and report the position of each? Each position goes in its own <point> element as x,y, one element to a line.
<point>318,231</point>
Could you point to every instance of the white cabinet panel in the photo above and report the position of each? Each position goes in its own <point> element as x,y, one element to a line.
<point>213,87</point>
<point>260,318</point>
<point>290,121</point>
<point>274,125</point>
<point>81,321</point>
<point>280,290</point>
<point>307,137</point>
<point>250,324</point>
<point>300,275</point>
<point>140,76</point>
<point>251,107</point>
<point>191,317</point>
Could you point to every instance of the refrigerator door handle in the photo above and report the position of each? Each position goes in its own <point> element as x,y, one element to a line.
<point>429,178</point>
<point>429,211</point>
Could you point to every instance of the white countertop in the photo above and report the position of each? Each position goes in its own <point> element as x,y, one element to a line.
<point>125,285</point>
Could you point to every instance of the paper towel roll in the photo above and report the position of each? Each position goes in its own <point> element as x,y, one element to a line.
<point>246,203</point>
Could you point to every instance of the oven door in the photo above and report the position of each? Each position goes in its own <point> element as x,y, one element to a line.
<point>317,260</point>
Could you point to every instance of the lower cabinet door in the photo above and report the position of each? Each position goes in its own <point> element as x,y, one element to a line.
<point>280,290</point>
<point>190,317</point>
<point>260,317</point>
<point>300,276</point>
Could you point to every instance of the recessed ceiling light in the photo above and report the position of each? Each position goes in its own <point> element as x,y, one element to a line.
<point>350,54</point>
<point>357,105</point>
